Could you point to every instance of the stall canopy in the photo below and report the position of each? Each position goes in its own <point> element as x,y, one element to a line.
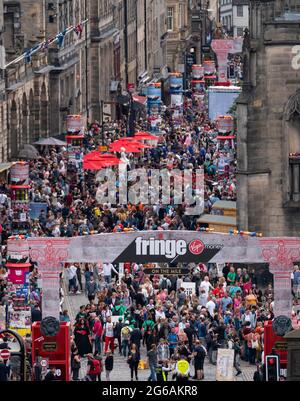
<point>97,161</point>
<point>145,136</point>
<point>50,142</point>
<point>126,146</point>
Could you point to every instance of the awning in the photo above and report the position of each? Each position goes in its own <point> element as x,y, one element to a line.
<point>5,166</point>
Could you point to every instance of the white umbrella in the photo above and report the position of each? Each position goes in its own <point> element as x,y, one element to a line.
<point>50,142</point>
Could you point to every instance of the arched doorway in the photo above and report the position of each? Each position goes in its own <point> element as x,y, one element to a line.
<point>44,112</point>
<point>13,129</point>
<point>24,133</point>
<point>31,117</point>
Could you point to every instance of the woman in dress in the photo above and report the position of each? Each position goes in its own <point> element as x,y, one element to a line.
<point>82,338</point>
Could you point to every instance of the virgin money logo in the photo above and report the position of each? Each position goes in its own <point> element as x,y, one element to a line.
<point>196,247</point>
<point>148,250</point>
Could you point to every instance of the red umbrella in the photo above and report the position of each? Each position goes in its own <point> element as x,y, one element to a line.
<point>120,146</point>
<point>145,136</point>
<point>97,161</point>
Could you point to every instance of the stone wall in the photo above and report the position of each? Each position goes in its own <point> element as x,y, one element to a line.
<point>263,138</point>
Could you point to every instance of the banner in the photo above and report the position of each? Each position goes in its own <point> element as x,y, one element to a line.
<point>222,47</point>
<point>176,100</point>
<point>75,123</point>
<point>197,71</point>
<point>225,359</point>
<point>19,173</point>
<point>189,288</point>
<point>36,208</point>
<point>176,83</point>
<point>20,319</point>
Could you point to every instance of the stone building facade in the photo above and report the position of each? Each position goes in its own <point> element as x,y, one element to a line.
<point>178,27</point>
<point>268,194</point>
<point>84,75</point>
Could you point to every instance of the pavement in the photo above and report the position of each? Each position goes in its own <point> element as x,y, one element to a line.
<point>121,370</point>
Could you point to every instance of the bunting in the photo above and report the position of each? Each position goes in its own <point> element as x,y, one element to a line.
<point>59,39</point>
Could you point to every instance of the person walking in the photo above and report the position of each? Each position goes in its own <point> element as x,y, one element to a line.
<point>79,277</point>
<point>98,333</point>
<point>199,357</point>
<point>75,366</point>
<point>109,364</point>
<point>133,361</point>
<point>125,337</point>
<point>91,289</point>
<point>109,335</point>
<point>117,333</point>
<point>94,368</point>
<point>237,356</point>
<point>152,356</point>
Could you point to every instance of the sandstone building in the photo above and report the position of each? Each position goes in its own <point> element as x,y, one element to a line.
<point>268,186</point>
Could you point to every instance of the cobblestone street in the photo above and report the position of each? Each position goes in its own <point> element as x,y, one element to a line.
<point>121,371</point>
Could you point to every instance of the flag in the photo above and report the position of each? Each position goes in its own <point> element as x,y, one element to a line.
<point>60,38</point>
<point>78,30</point>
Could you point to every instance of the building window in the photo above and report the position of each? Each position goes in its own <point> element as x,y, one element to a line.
<point>170,19</point>
<point>240,11</point>
<point>240,32</point>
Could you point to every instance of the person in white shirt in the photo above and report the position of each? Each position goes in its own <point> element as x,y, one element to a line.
<point>210,306</point>
<point>71,276</point>
<point>107,269</point>
<point>206,285</point>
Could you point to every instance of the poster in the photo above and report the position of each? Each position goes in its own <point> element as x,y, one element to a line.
<point>224,368</point>
<point>189,288</point>
<point>20,319</point>
<point>35,209</point>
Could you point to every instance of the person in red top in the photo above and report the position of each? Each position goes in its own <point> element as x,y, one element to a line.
<point>98,332</point>
<point>218,291</point>
<point>95,368</point>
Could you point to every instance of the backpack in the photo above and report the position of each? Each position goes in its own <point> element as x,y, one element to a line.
<point>95,367</point>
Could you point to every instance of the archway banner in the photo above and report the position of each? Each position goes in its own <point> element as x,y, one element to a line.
<point>171,247</point>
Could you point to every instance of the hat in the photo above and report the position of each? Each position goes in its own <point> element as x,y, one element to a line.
<point>127,322</point>
<point>120,319</point>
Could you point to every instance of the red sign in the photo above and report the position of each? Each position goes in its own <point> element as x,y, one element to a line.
<point>196,247</point>
<point>5,354</point>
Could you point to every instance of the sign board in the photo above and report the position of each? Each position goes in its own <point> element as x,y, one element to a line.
<point>49,346</point>
<point>5,354</point>
<point>167,271</point>
<point>189,288</point>
<point>115,319</point>
<point>225,361</point>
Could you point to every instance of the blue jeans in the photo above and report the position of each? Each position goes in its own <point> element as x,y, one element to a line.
<point>125,345</point>
<point>98,344</point>
<point>152,376</point>
<point>107,279</point>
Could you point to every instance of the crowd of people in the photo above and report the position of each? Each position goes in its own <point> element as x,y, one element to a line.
<point>153,315</point>
<point>136,313</point>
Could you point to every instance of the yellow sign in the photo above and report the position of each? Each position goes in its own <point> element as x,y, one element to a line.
<point>103,148</point>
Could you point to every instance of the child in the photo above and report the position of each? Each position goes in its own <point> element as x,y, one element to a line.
<point>109,364</point>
